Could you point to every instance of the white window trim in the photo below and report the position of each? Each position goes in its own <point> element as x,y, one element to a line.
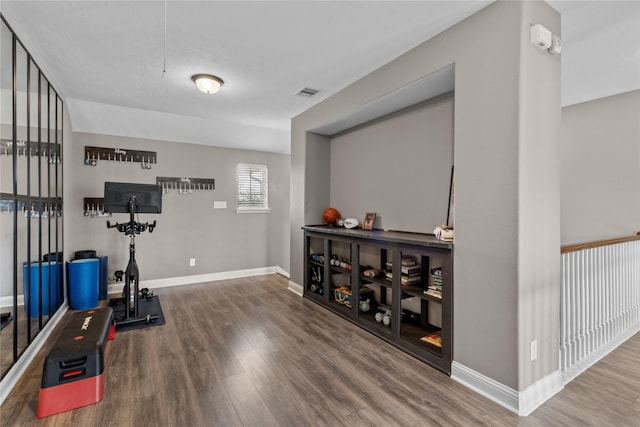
<point>252,210</point>
<point>249,209</point>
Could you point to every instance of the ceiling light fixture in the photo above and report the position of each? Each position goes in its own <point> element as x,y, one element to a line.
<point>207,83</point>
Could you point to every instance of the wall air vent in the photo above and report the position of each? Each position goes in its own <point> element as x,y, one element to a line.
<point>308,92</point>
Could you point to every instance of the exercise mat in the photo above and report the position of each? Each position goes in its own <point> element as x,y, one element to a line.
<point>146,307</point>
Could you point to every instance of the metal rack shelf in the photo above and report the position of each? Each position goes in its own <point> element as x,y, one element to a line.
<point>50,150</point>
<point>185,185</point>
<point>121,155</point>
<point>94,207</point>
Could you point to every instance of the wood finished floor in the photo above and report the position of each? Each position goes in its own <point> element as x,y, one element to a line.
<point>247,352</point>
<point>6,337</point>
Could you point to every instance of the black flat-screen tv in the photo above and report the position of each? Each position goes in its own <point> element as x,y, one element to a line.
<point>119,197</point>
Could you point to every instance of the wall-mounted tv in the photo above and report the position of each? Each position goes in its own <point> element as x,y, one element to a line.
<point>121,197</point>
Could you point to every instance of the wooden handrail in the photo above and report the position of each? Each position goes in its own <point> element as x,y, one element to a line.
<point>597,243</point>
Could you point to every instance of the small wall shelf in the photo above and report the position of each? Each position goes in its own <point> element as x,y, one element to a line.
<point>33,209</point>
<point>185,185</point>
<point>121,155</point>
<point>94,207</point>
<point>31,148</point>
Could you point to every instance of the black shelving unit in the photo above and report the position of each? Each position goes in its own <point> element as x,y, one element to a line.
<point>407,329</point>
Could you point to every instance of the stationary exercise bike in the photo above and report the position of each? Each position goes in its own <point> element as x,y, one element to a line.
<point>131,293</point>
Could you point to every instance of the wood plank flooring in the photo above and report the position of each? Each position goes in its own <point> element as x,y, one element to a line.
<point>6,337</point>
<point>247,352</point>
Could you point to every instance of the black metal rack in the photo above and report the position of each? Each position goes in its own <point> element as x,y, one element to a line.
<point>51,151</point>
<point>94,207</point>
<point>185,185</point>
<point>31,201</point>
<point>122,155</point>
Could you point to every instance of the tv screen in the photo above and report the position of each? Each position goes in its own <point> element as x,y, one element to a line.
<point>118,195</point>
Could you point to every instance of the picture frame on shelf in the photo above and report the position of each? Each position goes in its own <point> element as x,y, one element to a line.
<point>367,224</point>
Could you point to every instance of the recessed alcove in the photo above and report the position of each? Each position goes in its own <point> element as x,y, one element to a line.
<point>393,155</point>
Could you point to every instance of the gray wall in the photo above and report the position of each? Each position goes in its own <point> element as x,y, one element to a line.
<point>600,154</point>
<point>502,299</point>
<point>220,239</point>
<point>538,227</point>
<point>413,192</point>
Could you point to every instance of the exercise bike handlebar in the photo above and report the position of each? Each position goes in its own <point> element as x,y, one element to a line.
<point>132,227</point>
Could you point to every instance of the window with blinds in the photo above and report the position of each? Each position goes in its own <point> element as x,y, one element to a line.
<point>253,185</point>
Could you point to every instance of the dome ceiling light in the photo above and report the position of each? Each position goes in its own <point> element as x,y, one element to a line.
<point>207,83</point>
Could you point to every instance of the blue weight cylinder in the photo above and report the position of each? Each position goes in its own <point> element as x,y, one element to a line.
<point>104,278</point>
<point>51,283</point>
<point>84,280</point>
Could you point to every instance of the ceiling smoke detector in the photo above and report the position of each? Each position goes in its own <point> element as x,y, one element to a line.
<point>308,92</point>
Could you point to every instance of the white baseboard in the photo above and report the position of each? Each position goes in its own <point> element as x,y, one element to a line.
<point>488,387</point>
<point>282,272</point>
<point>296,288</point>
<point>522,403</point>
<point>115,288</point>
<point>16,372</point>
<point>539,392</point>
<point>6,303</point>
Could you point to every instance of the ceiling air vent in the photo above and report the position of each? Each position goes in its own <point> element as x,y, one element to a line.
<point>308,92</point>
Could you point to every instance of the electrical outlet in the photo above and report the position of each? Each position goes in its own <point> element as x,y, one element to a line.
<point>192,262</point>
<point>534,350</point>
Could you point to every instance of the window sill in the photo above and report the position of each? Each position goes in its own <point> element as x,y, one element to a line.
<point>252,211</point>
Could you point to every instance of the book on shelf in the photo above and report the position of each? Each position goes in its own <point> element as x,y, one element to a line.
<point>411,270</point>
<point>410,280</point>
<point>405,261</point>
<point>436,278</point>
<point>434,338</point>
<point>405,279</point>
<point>434,293</point>
<point>408,260</point>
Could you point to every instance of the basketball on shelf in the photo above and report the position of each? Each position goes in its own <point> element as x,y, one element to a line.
<point>330,215</point>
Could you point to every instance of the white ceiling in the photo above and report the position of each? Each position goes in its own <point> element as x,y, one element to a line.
<point>107,58</point>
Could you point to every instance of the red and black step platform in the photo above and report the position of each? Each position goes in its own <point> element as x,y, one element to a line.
<point>73,373</point>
